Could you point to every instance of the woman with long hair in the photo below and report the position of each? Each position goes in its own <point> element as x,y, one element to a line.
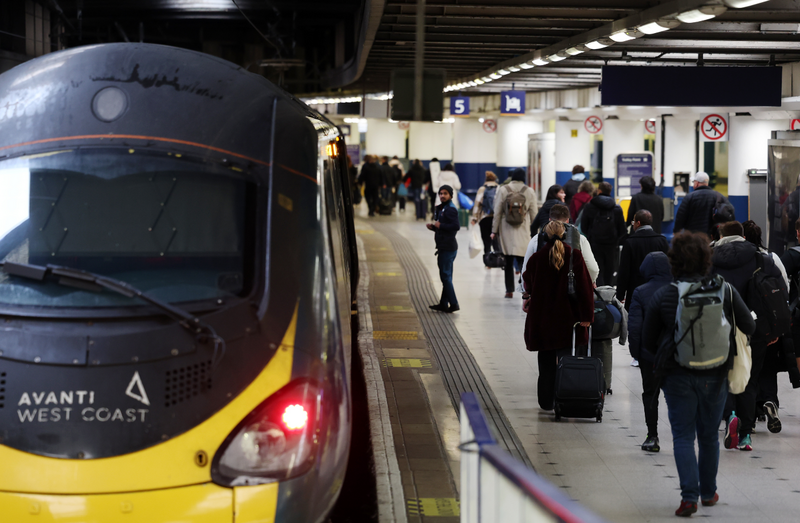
<point>552,311</point>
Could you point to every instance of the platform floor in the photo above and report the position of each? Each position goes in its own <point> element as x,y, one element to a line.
<point>601,464</point>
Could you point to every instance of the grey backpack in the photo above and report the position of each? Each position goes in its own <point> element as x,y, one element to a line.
<point>702,332</point>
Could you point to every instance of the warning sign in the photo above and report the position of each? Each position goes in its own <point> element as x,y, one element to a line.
<point>404,126</point>
<point>593,124</point>
<point>650,127</point>
<point>795,125</point>
<point>714,128</point>
<point>490,126</point>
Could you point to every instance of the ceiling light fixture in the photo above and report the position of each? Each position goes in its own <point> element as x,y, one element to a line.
<point>495,76</point>
<point>658,26</point>
<point>625,35</point>
<point>525,65</point>
<point>572,51</point>
<point>540,61</point>
<point>503,72</point>
<point>599,44</point>
<point>486,79</point>
<point>478,81</point>
<point>701,14</point>
<point>513,69</point>
<point>738,4</point>
<point>556,58</point>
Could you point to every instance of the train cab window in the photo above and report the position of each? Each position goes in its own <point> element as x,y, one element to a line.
<point>174,227</point>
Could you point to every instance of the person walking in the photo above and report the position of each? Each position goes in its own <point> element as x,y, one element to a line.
<point>372,179</point>
<point>434,168</point>
<point>483,211</point>
<point>416,179</point>
<point>583,196</point>
<point>449,177</point>
<point>446,226</point>
<point>604,224</point>
<point>388,180</point>
<point>655,271</point>
<point>735,260</point>
<point>647,200</point>
<point>551,312</point>
<point>696,212</point>
<point>695,398</point>
<point>555,195</point>
<point>514,208</point>
<point>572,186</point>
<point>399,178</point>
<point>644,240</point>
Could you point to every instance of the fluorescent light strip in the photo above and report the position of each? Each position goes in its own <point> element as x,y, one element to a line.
<point>572,51</point>
<point>658,26</point>
<point>556,58</point>
<point>513,69</point>
<point>597,44</point>
<point>738,4</point>
<point>540,61</point>
<point>622,36</point>
<point>503,72</point>
<point>495,76</point>
<point>526,65</point>
<point>701,14</point>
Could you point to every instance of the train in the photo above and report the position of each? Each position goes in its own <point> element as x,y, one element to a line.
<point>179,267</point>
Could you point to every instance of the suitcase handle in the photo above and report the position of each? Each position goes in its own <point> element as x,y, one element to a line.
<point>574,346</point>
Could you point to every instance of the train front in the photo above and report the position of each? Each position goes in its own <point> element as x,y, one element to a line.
<point>169,349</point>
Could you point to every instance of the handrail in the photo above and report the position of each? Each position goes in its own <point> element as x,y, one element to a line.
<point>489,473</point>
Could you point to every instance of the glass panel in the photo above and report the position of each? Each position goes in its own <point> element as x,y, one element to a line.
<point>783,197</point>
<point>169,225</point>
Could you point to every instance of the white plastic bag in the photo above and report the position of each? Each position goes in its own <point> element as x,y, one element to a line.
<point>475,242</point>
<point>739,374</point>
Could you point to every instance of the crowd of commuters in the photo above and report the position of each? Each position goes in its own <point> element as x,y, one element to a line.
<point>692,309</point>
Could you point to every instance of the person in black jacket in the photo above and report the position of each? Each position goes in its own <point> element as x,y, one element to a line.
<point>649,201</point>
<point>735,260</point>
<point>695,398</point>
<point>446,226</point>
<point>555,194</point>
<point>604,224</point>
<point>372,179</point>
<point>416,175</point>
<point>697,209</point>
<point>572,185</point>
<point>644,240</point>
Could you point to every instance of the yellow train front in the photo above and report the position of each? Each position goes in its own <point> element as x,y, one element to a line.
<point>177,262</point>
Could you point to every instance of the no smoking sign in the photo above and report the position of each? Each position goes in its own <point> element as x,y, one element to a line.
<point>490,126</point>
<point>714,128</point>
<point>593,124</point>
<point>650,127</point>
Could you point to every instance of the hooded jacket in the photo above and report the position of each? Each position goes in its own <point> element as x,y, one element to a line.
<point>576,204</point>
<point>694,213</point>
<point>598,204</point>
<point>648,202</point>
<point>655,271</point>
<point>634,251</point>
<point>735,260</point>
<point>543,216</point>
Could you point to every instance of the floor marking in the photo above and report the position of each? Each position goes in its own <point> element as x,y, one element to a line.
<point>387,274</point>
<point>407,363</point>
<point>364,231</point>
<point>400,308</point>
<point>379,249</point>
<point>433,507</point>
<point>395,335</point>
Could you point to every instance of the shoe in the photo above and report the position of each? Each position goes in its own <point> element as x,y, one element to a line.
<point>509,295</point>
<point>437,307</point>
<point>773,421</point>
<point>454,308</point>
<point>710,502</point>
<point>651,444</point>
<point>731,432</point>
<point>745,443</point>
<point>609,392</point>
<point>686,509</point>
<point>634,362</point>
<point>761,417</point>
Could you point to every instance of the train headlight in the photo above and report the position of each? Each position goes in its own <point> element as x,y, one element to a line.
<point>276,441</point>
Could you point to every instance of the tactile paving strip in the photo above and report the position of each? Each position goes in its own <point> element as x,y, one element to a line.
<point>458,367</point>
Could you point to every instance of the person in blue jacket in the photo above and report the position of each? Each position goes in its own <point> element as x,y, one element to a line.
<point>446,226</point>
<point>655,271</point>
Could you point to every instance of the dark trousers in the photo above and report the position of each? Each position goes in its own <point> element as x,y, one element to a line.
<point>371,195</point>
<point>489,244</point>
<point>415,195</point>
<point>401,201</point>
<point>445,261</point>
<point>607,257</point>
<point>650,395</point>
<point>745,403</point>
<point>768,380</point>
<point>510,281</point>
<point>546,387</point>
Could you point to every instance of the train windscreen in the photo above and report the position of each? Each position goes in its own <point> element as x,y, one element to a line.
<point>172,226</point>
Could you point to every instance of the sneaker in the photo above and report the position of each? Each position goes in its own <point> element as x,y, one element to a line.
<point>634,362</point>
<point>732,432</point>
<point>710,502</point>
<point>686,509</point>
<point>773,421</point>
<point>651,444</point>
<point>745,443</point>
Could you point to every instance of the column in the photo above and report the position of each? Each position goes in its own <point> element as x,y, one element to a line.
<point>385,138</point>
<point>428,140</point>
<point>474,153</point>
<point>512,143</point>
<point>679,156</point>
<point>620,136</point>
<point>573,147</point>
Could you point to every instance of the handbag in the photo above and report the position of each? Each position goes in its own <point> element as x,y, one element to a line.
<point>607,319</point>
<point>739,374</point>
<point>475,243</point>
<point>402,190</point>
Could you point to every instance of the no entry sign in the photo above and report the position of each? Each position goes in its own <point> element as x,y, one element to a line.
<point>795,125</point>
<point>714,128</point>
<point>593,124</point>
<point>490,126</point>
<point>650,126</point>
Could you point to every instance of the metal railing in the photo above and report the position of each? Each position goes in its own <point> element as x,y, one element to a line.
<point>496,487</point>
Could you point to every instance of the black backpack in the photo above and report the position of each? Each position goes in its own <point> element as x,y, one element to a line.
<point>723,211</point>
<point>604,230</point>
<point>767,298</point>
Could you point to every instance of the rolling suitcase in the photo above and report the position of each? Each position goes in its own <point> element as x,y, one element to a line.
<point>580,386</point>
<point>385,206</point>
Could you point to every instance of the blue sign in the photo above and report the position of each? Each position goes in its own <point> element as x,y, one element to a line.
<point>512,102</point>
<point>631,168</point>
<point>459,106</point>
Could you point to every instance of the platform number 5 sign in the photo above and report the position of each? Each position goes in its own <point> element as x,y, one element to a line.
<point>714,128</point>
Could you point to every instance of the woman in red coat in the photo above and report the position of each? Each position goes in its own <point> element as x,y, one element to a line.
<point>582,197</point>
<point>552,314</point>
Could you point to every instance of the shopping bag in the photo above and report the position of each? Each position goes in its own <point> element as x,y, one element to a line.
<point>739,374</point>
<point>465,201</point>
<point>475,243</point>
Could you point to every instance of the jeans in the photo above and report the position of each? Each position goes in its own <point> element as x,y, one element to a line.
<point>415,194</point>
<point>445,261</point>
<point>695,403</point>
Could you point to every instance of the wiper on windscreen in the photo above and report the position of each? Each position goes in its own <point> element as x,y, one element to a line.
<point>95,282</point>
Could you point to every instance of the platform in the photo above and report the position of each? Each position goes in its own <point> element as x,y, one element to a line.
<point>598,464</point>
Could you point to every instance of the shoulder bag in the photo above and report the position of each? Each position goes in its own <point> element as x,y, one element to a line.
<point>739,374</point>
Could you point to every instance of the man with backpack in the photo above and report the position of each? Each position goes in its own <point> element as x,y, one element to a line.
<point>760,282</point>
<point>515,207</point>
<point>483,213</point>
<point>604,225</point>
<point>643,241</point>
<point>703,209</point>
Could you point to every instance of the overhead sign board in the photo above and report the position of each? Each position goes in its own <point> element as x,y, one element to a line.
<point>714,128</point>
<point>512,102</point>
<point>459,106</point>
<point>631,168</point>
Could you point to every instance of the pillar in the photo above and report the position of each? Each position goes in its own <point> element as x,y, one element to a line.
<point>573,147</point>
<point>512,143</point>
<point>678,153</point>
<point>620,136</point>
<point>385,138</point>
<point>474,153</point>
<point>428,140</point>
